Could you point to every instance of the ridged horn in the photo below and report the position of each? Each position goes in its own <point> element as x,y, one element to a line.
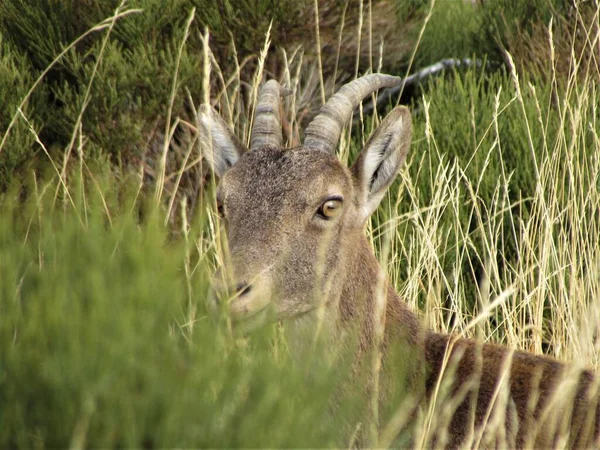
<point>325,130</point>
<point>266,130</point>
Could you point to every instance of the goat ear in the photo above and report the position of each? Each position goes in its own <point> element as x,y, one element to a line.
<point>379,162</point>
<point>219,145</point>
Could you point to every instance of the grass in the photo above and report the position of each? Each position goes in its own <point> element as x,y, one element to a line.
<point>492,231</point>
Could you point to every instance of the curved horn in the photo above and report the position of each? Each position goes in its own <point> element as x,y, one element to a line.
<point>325,129</point>
<point>267,123</point>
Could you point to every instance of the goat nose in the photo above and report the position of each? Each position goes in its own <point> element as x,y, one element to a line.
<point>242,289</point>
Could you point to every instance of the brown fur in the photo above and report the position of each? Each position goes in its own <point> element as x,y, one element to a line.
<point>309,270</point>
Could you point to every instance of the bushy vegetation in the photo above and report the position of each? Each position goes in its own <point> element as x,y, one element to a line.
<point>114,86</point>
<point>105,340</point>
<point>492,230</point>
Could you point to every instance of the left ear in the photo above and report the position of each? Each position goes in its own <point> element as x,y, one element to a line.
<point>219,145</point>
<point>379,162</point>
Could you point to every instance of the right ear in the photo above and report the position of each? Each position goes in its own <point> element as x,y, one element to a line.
<point>219,145</point>
<point>379,162</point>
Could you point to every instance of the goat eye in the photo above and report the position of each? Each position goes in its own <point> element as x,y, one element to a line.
<point>330,209</point>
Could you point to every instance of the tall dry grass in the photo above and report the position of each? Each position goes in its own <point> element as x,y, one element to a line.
<point>546,300</point>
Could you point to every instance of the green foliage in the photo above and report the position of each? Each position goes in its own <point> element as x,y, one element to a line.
<point>469,99</point>
<point>452,31</point>
<point>494,146</point>
<point>460,29</point>
<point>123,86</point>
<point>504,20</point>
<point>15,80</point>
<point>131,88</point>
<point>102,345</point>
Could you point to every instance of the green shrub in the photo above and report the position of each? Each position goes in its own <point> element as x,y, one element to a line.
<point>129,80</point>
<point>15,80</point>
<point>504,22</point>
<point>452,31</point>
<point>106,343</point>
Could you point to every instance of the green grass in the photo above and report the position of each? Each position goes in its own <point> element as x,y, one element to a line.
<point>492,230</point>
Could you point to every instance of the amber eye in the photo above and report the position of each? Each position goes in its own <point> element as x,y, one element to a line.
<point>330,209</point>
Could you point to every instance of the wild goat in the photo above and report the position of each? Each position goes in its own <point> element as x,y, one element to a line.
<point>295,224</point>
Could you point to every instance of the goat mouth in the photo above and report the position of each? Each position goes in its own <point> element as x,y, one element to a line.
<point>246,306</point>
<point>248,313</point>
<point>238,307</point>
